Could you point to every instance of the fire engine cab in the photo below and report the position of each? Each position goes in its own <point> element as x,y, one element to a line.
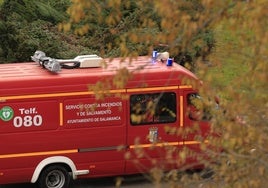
<point>91,117</point>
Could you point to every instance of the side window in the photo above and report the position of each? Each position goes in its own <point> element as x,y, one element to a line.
<point>194,106</point>
<point>152,108</point>
<point>197,110</point>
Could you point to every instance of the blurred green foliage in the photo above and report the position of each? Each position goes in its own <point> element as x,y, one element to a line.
<point>27,26</point>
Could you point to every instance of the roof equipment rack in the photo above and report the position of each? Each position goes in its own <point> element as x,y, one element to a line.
<point>55,65</point>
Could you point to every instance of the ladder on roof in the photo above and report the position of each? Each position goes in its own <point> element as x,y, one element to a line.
<point>55,65</point>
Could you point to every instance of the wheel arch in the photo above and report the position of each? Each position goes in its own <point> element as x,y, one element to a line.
<point>51,161</point>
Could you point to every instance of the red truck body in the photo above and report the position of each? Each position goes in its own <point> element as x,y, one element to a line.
<point>51,119</point>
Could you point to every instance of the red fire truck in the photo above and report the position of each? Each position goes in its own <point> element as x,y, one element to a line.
<point>55,127</point>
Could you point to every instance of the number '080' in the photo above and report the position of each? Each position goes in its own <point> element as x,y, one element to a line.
<point>27,121</point>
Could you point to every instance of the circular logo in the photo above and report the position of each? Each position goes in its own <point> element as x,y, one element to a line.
<point>6,113</point>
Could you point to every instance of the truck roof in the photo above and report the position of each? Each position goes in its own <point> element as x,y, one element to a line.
<point>30,77</point>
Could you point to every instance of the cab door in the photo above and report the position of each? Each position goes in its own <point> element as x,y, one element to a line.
<point>151,132</point>
<point>196,125</point>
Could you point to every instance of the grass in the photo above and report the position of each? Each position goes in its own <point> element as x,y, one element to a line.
<point>230,64</point>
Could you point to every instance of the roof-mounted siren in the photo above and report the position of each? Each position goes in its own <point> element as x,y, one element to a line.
<point>163,57</point>
<point>55,65</point>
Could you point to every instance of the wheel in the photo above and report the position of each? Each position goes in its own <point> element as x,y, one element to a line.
<point>55,176</point>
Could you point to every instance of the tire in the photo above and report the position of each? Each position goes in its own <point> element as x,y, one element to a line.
<point>55,176</point>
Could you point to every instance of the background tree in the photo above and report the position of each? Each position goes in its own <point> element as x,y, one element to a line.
<point>135,28</point>
<point>27,26</point>
<point>239,29</point>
